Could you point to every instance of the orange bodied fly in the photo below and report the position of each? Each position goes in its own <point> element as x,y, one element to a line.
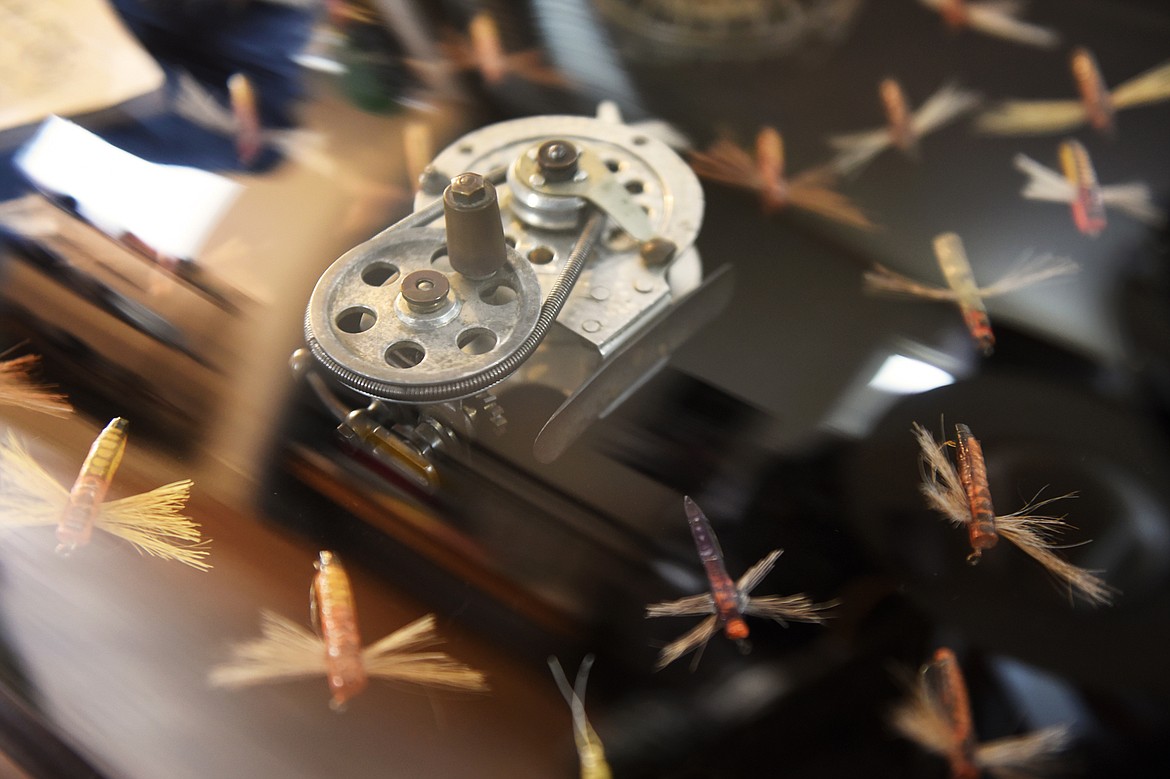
<point>729,164</point>
<point>961,288</point>
<point>1097,106</point>
<point>483,50</point>
<point>961,494</point>
<point>728,601</point>
<point>1076,184</point>
<point>153,522</point>
<point>993,17</point>
<point>903,127</point>
<point>589,748</point>
<point>937,717</point>
<point>245,109</point>
<point>286,650</point>
<point>19,388</point>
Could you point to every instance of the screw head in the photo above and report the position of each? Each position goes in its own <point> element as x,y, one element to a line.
<point>557,159</point>
<point>425,290</point>
<point>657,251</point>
<point>468,189</point>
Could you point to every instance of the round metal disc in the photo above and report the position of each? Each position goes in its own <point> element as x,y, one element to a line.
<point>657,178</point>
<point>363,330</point>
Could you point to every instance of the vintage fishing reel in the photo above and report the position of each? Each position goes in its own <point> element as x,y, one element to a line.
<point>556,250</point>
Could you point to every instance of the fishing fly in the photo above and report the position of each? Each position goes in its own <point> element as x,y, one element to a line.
<point>153,522</point>
<point>904,128</point>
<point>246,111</point>
<point>728,163</point>
<point>961,288</point>
<point>1097,106</point>
<point>995,18</point>
<point>285,650</point>
<point>728,602</point>
<point>1076,185</point>
<point>937,716</point>
<point>961,493</point>
<point>482,50</point>
<point>20,389</point>
<point>589,749</point>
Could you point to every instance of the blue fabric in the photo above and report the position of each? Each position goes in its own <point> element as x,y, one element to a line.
<point>211,40</point>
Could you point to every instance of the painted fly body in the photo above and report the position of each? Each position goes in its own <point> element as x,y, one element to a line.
<point>973,477</point>
<point>898,115</point>
<point>89,490</point>
<point>723,589</point>
<point>246,110</point>
<point>961,288</point>
<point>1088,205</point>
<point>1098,103</point>
<point>336,621</point>
<point>963,496</point>
<point>727,602</point>
<point>770,168</point>
<point>956,268</point>
<point>937,716</point>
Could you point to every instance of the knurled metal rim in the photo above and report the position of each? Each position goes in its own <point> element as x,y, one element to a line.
<point>358,359</point>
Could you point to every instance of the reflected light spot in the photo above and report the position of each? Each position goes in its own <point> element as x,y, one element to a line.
<point>904,375</point>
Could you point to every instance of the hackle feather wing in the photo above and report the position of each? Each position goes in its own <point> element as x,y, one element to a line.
<point>1043,182</point>
<point>691,640</point>
<point>999,19</point>
<point>944,106</point>
<point>690,606</point>
<point>882,279</point>
<point>1028,756</point>
<point>727,163</point>
<point>855,150</point>
<point>28,494</point>
<point>285,650</point>
<point>1134,199</point>
<point>18,388</point>
<point>155,524</point>
<point>1032,117</point>
<point>1031,270</point>
<point>940,481</point>
<point>923,719</point>
<point>1036,536</point>
<point>1149,87</point>
<point>395,658</point>
<point>810,191</point>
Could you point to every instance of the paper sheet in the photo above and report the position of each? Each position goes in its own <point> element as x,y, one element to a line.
<point>67,57</point>
<point>170,208</point>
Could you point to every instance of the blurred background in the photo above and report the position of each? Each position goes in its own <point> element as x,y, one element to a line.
<point>786,413</point>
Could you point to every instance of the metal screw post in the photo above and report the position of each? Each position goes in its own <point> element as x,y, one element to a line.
<point>557,160</point>
<point>425,291</point>
<point>475,232</point>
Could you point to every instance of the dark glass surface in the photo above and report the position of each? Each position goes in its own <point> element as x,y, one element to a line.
<point>767,418</point>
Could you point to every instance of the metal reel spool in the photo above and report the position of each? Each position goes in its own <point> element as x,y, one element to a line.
<point>617,289</point>
<point>391,319</point>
